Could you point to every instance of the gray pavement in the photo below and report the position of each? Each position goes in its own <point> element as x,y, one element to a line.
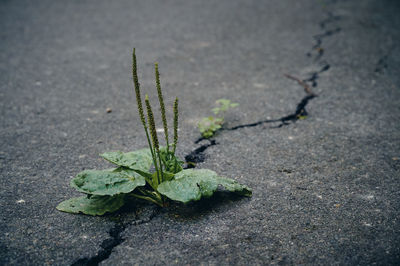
<point>326,188</point>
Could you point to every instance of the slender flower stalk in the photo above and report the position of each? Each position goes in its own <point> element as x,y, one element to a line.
<point>139,99</point>
<point>162,106</point>
<point>152,125</point>
<point>175,124</point>
<point>154,138</point>
<point>137,89</point>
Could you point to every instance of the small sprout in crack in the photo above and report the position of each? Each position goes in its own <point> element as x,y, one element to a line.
<point>108,190</point>
<point>209,125</point>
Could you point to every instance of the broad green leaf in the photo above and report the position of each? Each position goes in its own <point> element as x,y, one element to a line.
<point>124,170</point>
<point>97,182</point>
<point>192,184</point>
<point>137,160</point>
<point>95,205</point>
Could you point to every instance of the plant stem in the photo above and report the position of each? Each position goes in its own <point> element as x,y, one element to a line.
<point>139,100</point>
<point>152,194</point>
<point>162,106</point>
<point>154,137</point>
<point>176,114</point>
<point>161,171</point>
<point>161,204</point>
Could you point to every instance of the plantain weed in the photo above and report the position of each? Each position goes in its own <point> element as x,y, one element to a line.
<point>108,190</point>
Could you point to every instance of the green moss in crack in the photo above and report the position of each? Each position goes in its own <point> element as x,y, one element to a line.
<point>208,126</point>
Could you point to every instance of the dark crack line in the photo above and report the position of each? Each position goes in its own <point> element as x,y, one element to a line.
<point>197,155</point>
<point>115,239</point>
<point>330,19</point>
<point>286,120</point>
<point>315,75</point>
<point>300,112</point>
<point>106,246</point>
<point>318,38</point>
<point>303,83</point>
<point>382,64</point>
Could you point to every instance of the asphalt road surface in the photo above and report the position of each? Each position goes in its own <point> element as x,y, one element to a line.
<point>316,135</point>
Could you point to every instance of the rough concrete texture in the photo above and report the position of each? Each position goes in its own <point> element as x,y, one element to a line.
<point>326,188</point>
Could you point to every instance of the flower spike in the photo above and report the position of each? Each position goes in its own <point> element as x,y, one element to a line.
<point>162,106</point>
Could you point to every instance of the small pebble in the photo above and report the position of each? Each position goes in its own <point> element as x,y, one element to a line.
<point>108,110</point>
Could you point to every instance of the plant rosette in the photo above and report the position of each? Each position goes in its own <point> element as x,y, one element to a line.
<point>108,190</point>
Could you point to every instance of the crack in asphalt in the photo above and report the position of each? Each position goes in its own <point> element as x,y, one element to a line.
<point>318,38</point>
<point>115,239</point>
<point>330,19</point>
<point>382,64</point>
<point>315,75</point>
<point>197,155</point>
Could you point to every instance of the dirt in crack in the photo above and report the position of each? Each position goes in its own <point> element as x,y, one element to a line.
<point>115,239</point>
<point>197,155</point>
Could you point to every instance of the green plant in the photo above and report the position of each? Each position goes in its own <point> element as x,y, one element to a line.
<point>209,125</point>
<point>108,190</point>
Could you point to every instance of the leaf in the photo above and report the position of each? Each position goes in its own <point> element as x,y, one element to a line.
<point>135,173</point>
<point>95,205</point>
<point>137,160</point>
<point>192,184</point>
<point>208,125</point>
<point>225,105</point>
<point>97,182</point>
<point>216,110</point>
